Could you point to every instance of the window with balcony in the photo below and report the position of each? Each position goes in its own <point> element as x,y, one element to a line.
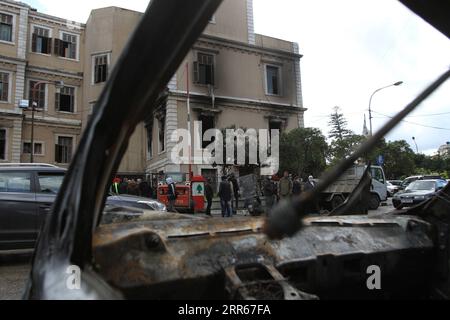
<point>2,144</point>
<point>39,96</point>
<point>4,86</point>
<point>67,46</point>
<point>65,100</point>
<point>6,27</point>
<point>100,68</point>
<point>41,41</point>
<point>63,149</point>
<point>273,80</point>
<point>204,69</point>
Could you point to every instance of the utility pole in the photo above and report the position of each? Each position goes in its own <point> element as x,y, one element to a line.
<point>417,148</point>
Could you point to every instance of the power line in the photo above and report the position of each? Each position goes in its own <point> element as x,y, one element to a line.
<point>414,123</point>
<point>429,115</point>
<point>424,115</point>
<point>323,115</point>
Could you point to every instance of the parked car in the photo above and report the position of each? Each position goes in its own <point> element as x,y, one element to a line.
<point>417,192</point>
<point>135,202</point>
<point>396,182</point>
<point>27,193</point>
<point>411,179</point>
<point>393,187</point>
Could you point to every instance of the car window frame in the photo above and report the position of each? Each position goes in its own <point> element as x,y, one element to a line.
<point>38,183</point>
<point>32,181</point>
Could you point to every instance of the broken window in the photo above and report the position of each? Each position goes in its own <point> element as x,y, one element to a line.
<point>65,100</point>
<point>100,68</point>
<point>204,69</point>
<point>41,41</point>
<point>275,125</point>
<point>4,86</point>
<point>6,27</point>
<point>162,133</point>
<point>273,80</point>
<point>63,149</point>
<point>69,46</point>
<point>2,144</point>
<point>37,95</point>
<point>149,129</point>
<point>208,122</point>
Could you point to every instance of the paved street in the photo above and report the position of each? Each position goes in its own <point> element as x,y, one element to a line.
<point>14,268</point>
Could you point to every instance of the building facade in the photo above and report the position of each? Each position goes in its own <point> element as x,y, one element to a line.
<point>236,78</point>
<point>36,50</point>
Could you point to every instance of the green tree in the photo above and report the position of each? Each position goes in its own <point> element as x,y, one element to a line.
<point>432,165</point>
<point>338,125</point>
<point>341,149</point>
<point>303,151</point>
<point>343,141</point>
<point>398,159</point>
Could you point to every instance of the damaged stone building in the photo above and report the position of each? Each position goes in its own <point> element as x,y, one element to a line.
<point>237,78</point>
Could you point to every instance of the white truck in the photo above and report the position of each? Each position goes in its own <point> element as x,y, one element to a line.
<point>338,192</point>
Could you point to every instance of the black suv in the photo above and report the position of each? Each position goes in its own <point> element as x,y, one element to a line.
<point>27,193</point>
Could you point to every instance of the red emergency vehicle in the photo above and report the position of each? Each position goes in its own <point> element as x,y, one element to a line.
<point>190,194</point>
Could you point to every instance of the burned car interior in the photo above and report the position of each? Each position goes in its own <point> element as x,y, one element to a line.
<point>287,255</point>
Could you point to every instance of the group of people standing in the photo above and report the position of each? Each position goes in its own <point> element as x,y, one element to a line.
<point>132,187</point>
<point>285,188</point>
<point>274,190</point>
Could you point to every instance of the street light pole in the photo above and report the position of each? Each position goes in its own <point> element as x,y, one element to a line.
<point>399,83</point>
<point>417,148</point>
<point>58,85</point>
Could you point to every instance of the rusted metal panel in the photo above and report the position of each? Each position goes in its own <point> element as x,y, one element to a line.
<point>153,256</point>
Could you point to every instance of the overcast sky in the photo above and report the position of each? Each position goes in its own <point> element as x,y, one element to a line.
<point>350,48</point>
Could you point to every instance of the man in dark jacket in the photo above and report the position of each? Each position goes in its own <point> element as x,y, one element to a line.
<point>297,187</point>
<point>171,195</point>
<point>209,194</point>
<point>313,205</point>
<point>123,187</point>
<point>225,195</point>
<point>144,189</point>
<point>310,184</point>
<point>270,191</point>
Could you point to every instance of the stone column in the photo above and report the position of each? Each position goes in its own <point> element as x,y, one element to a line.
<point>20,84</point>
<point>298,87</point>
<point>16,148</point>
<point>171,126</point>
